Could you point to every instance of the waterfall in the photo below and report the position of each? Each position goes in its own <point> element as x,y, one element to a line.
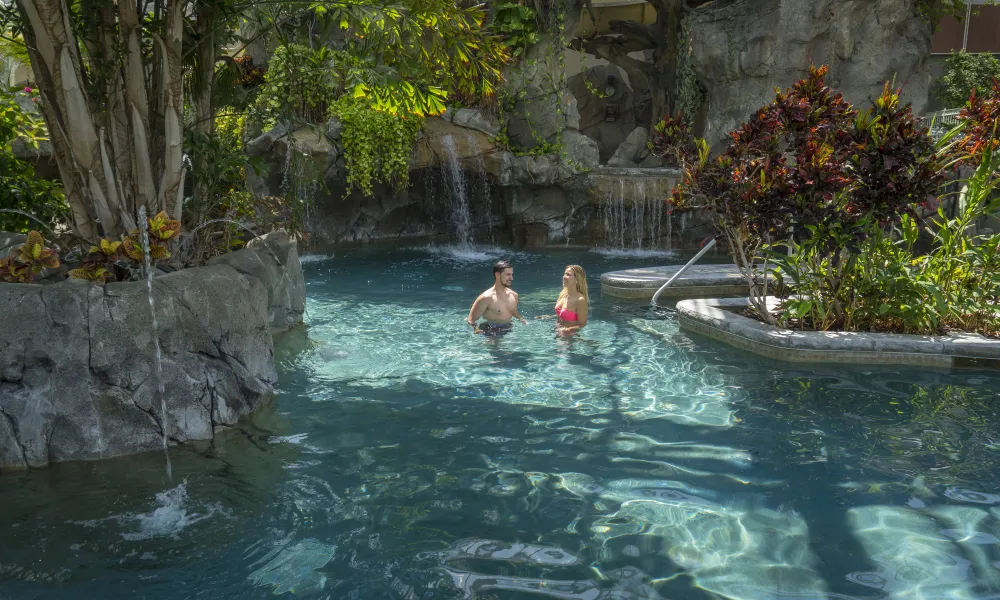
<point>455,182</point>
<point>481,185</point>
<point>633,215</point>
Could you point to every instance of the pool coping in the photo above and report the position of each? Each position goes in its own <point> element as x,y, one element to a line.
<point>701,281</point>
<point>715,318</point>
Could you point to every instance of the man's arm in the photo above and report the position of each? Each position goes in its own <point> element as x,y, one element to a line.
<point>514,311</point>
<point>478,308</point>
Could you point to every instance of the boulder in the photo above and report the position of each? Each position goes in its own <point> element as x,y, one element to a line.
<point>471,118</point>
<point>545,106</point>
<point>433,147</point>
<point>740,56</point>
<point>631,152</point>
<point>581,152</point>
<point>275,262</point>
<point>78,374</point>
<point>594,122</point>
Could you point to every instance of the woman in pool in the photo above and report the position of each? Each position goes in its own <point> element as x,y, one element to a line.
<point>573,301</point>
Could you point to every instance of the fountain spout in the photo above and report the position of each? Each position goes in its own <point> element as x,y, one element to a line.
<point>148,271</point>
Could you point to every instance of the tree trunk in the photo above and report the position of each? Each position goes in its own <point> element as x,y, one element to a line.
<point>662,37</point>
<point>203,86</point>
<point>663,74</point>
<point>101,133</point>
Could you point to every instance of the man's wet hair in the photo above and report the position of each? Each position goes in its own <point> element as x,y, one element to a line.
<point>500,265</point>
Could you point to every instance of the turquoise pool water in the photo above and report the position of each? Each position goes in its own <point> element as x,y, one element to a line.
<point>406,458</point>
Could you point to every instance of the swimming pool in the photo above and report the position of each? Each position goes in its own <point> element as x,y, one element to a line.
<point>406,458</point>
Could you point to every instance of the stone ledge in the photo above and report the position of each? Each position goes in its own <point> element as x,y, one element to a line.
<point>714,317</point>
<point>699,281</point>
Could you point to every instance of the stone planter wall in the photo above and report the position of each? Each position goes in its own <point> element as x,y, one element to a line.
<point>77,369</point>
<point>716,319</point>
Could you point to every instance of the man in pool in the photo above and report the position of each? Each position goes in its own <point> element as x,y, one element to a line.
<point>496,305</point>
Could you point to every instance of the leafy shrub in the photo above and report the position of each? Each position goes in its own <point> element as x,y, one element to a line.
<point>20,189</point>
<point>966,73</point>
<point>298,84</point>
<point>517,24</point>
<point>27,260</point>
<point>981,119</point>
<point>673,141</point>
<point>888,286</point>
<point>813,176</point>
<point>111,260</point>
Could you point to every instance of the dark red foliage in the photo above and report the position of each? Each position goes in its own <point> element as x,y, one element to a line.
<point>673,141</point>
<point>809,159</point>
<point>251,76</point>
<point>893,164</point>
<point>981,115</point>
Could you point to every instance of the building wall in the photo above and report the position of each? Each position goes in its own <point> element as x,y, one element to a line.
<point>978,32</point>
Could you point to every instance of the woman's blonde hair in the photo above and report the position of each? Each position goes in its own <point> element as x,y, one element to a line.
<point>581,282</point>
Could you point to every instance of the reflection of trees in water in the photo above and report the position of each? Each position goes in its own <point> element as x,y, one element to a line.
<point>901,425</point>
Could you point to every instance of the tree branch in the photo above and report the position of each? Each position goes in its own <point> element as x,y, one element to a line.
<point>636,31</point>
<point>615,50</point>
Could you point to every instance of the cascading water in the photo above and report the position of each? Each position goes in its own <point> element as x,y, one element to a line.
<point>633,215</point>
<point>147,263</point>
<point>300,184</point>
<point>481,186</point>
<point>455,181</point>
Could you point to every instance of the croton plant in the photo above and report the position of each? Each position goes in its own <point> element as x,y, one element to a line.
<point>107,260</point>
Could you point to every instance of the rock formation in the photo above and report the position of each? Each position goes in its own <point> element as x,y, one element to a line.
<point>743,49</point>
<point>77,369</point>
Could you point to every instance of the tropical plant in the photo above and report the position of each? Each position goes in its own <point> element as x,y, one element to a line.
<point>111,260</point>
<point>886,285</point>
<point>116,79</point>
<point>673,140</point>
<point>981,120</point>
<point>811,175</point>
<point>20,189</point>
<point>300,82</point>
<point>517,23</point>
<point>28,260</point>
<point>377,145</point>
<point>965,73</point>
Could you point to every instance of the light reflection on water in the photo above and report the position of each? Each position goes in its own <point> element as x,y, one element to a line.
<point>406,458</point>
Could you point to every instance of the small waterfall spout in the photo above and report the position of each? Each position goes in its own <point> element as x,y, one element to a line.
<point>147,263</point>
<point>455,180</point>
<point>633,215</point>
<point>481,186</point>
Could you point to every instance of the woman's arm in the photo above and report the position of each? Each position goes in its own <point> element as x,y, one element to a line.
<point>581,312</point>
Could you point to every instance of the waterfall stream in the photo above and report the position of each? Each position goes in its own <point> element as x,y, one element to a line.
<point>634,217</point>
<point>455,181</point>
<point>147,263</point>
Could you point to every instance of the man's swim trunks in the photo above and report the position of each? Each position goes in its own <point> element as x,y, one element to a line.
<point>495,329</point>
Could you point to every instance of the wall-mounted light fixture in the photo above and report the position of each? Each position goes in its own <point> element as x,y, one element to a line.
<point>609,88</point>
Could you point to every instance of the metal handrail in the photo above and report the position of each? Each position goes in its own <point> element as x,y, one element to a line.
<point>701,253</point>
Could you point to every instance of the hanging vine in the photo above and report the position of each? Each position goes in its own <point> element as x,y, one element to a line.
<point>377,145</point>
<point>552,21</point>
<point>690,94</point>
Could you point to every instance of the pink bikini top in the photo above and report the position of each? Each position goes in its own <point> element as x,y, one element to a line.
<point>565,314</point>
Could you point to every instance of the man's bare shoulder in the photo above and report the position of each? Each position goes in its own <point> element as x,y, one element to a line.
<point>488,294</point>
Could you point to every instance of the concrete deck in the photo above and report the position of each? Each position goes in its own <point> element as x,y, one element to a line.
<point>700,281</point>
<point>715,318</point>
